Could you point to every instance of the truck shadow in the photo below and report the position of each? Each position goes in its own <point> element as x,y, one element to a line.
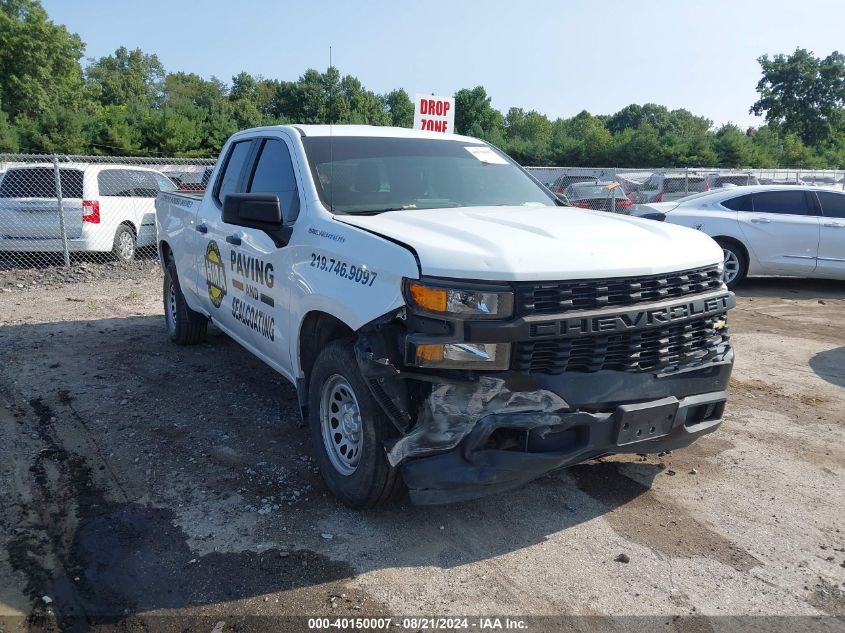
<point>830,365</point>
<point>157,463</point>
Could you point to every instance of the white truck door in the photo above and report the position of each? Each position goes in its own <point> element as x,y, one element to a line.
<point>214,284</point>
<point>783,231</point>
<point>832,238</point>
<point>259,268</point>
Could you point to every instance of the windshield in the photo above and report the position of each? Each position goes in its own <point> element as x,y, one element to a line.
<point>375,174</point>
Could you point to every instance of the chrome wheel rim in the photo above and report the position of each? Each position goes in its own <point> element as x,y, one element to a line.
<point>126,245</point>
<point>731,265</point>
<point>170,306</point>
<point>340,423</point>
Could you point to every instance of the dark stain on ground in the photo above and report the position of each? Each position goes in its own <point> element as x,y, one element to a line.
<point>106,565</point>
<point>636,513</point>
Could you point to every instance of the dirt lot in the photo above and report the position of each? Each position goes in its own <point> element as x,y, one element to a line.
<point>145,486</point>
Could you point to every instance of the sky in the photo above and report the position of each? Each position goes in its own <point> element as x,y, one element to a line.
<point>556,57</point>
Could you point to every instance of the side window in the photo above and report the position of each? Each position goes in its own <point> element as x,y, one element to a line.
<point>740,203</point>
<point>146,185</point>
<point>274,174</point>
<point>164,183</point>
<point>231,177</point>
<point>116,182</point>
<point>782,202</point>
<point>833,204</point>
<point>649,185</point>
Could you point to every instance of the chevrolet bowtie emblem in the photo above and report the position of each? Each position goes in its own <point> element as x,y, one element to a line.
<point>720,324</point>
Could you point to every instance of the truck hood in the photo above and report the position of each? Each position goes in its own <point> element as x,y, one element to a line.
<point>540,243</point>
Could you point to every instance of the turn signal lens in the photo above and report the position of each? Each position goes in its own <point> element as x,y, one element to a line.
<point>428,298</point>
<point>462,303</point>
<point>463,355</point>
<point>430,353</point>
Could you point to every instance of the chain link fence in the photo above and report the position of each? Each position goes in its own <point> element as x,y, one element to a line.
<point>57,210</point>
<point>618,190</point>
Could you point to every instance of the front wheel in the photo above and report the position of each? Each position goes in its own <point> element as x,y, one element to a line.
<point>735,263</point>
<point>348,430</point>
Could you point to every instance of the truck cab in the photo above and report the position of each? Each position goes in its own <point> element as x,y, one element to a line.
<point>449,326</point>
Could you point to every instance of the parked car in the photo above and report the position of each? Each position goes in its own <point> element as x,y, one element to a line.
<point>600,196</point>
<point>448,326</point>
<point>106,208</point>
<point>560,185</point>
<point>715,181</point>
<point>665,187</point>
<point>767,229</point>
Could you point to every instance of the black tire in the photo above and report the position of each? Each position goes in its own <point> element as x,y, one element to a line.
<point>373,482</point>
<point>124,246</point>
<point>733,252</point>
<point>184,326</point>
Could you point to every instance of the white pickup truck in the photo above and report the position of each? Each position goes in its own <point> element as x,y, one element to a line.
<point>448,324</point>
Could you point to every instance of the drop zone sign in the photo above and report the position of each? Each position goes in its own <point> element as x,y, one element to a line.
<point>435,114</point>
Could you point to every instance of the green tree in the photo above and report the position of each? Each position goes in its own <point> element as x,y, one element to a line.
<point>191,89</point>
<point>125,77</point>
<point>399,107</point>
<point>8,134</point>
<point>39,61</point>
<point>803,94</point>
<point>475,116</point>
<point>734,148</point>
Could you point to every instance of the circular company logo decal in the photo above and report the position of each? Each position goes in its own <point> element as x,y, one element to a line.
<point>215,274</point>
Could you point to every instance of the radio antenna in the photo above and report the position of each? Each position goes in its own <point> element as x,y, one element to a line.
<point>331,136</point>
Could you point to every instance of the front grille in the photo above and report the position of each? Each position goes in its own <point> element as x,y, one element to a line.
<point>674,346</point>
<point>554,297</point>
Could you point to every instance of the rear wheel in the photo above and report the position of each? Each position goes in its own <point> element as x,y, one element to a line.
<point>735,263</point>
<point>184,326</point>
<point>348,430</point>
<point>124,244</point>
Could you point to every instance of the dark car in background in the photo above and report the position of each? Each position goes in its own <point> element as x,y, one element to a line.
<point>599,196</point>
<point>560,185</point>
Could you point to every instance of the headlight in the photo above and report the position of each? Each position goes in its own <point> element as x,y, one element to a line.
<point>462,303</point>
<point>463,355</point>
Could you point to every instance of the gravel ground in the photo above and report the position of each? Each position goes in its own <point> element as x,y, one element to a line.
<point>146,486</point>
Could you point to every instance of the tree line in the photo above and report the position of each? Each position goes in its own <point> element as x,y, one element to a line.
<point>127,104</point>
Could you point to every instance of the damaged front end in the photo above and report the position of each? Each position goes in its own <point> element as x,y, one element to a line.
<point>487,401</point>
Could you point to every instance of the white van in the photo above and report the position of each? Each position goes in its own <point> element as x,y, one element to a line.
<point>106,208</point>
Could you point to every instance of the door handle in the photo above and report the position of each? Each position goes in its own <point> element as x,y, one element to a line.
<point>202,228</point>
<point>835,225</point>
<point>761,220</point>
<point>233,239</point>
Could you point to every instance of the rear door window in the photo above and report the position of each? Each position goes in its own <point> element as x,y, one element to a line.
<point>231,180</point>
<point>40,182</point>
<point>833,204</point>
<point>740,203</point>
<point>146,185</point>
<point>116,182</point>
<point>274,174</point>
<point>781,202</point>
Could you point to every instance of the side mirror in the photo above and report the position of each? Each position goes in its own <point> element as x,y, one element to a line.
<point>260,211</point>
<point>659,217</point>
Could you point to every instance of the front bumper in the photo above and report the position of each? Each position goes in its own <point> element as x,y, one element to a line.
<point>544,439</point>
